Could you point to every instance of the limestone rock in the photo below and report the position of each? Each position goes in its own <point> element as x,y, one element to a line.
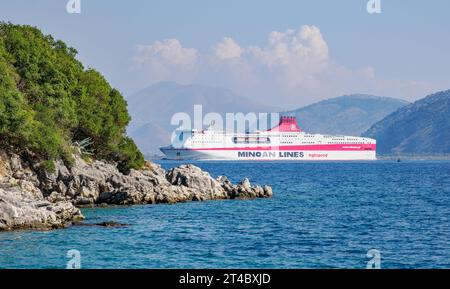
<point>21,210</point>
<point>32,198</point>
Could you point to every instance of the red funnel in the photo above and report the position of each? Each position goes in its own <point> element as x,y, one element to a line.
<point>287,124</point>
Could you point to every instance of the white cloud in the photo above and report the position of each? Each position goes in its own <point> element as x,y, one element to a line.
<point>169,50</point>
<point>167,60</point>
<point>293,59</point>
<point>293,68</point>
<point>227,49</point>
<point>293,48</point>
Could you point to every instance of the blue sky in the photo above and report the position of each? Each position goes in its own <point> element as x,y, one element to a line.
<point>334,47</point>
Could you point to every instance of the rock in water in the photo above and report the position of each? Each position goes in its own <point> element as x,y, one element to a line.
<point>193,177</point>
<point>21,210</point>
<point>150,186</point>
<point>102,224</point>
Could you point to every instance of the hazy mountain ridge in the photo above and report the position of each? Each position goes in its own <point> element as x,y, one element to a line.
<point>422,127</point>
<point>346,115</point>
<point>152,108</point>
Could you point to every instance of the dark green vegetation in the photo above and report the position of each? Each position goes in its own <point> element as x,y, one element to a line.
<point>419,128</point>
<point>49,102</point>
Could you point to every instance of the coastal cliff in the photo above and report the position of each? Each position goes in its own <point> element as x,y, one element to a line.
<point>63,141</point>
<point>31,198</point>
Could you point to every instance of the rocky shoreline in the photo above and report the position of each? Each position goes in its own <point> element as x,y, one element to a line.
<point>31,198</point>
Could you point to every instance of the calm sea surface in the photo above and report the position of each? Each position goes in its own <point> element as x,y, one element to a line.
<point>322,215</point>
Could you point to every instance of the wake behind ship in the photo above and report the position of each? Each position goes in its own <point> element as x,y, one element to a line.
<point>286,141</point>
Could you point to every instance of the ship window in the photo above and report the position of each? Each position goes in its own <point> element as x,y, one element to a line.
<point>251,140</point>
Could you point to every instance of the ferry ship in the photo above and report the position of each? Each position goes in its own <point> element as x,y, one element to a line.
<point>285,141</point>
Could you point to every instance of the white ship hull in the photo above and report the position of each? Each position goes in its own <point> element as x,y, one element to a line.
<point>265,155</point>
<point>283,142</point>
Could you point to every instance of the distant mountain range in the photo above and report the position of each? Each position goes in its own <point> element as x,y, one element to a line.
<point>152,108</point>
<point>422,127</point>
<point>346,115</point>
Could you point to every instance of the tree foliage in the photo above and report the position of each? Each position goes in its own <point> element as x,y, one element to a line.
<point>48,101</point>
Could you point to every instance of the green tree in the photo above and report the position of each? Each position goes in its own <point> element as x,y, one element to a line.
<point>48,101</point>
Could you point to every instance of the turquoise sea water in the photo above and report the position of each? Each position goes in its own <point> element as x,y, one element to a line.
<point>322,215</point>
